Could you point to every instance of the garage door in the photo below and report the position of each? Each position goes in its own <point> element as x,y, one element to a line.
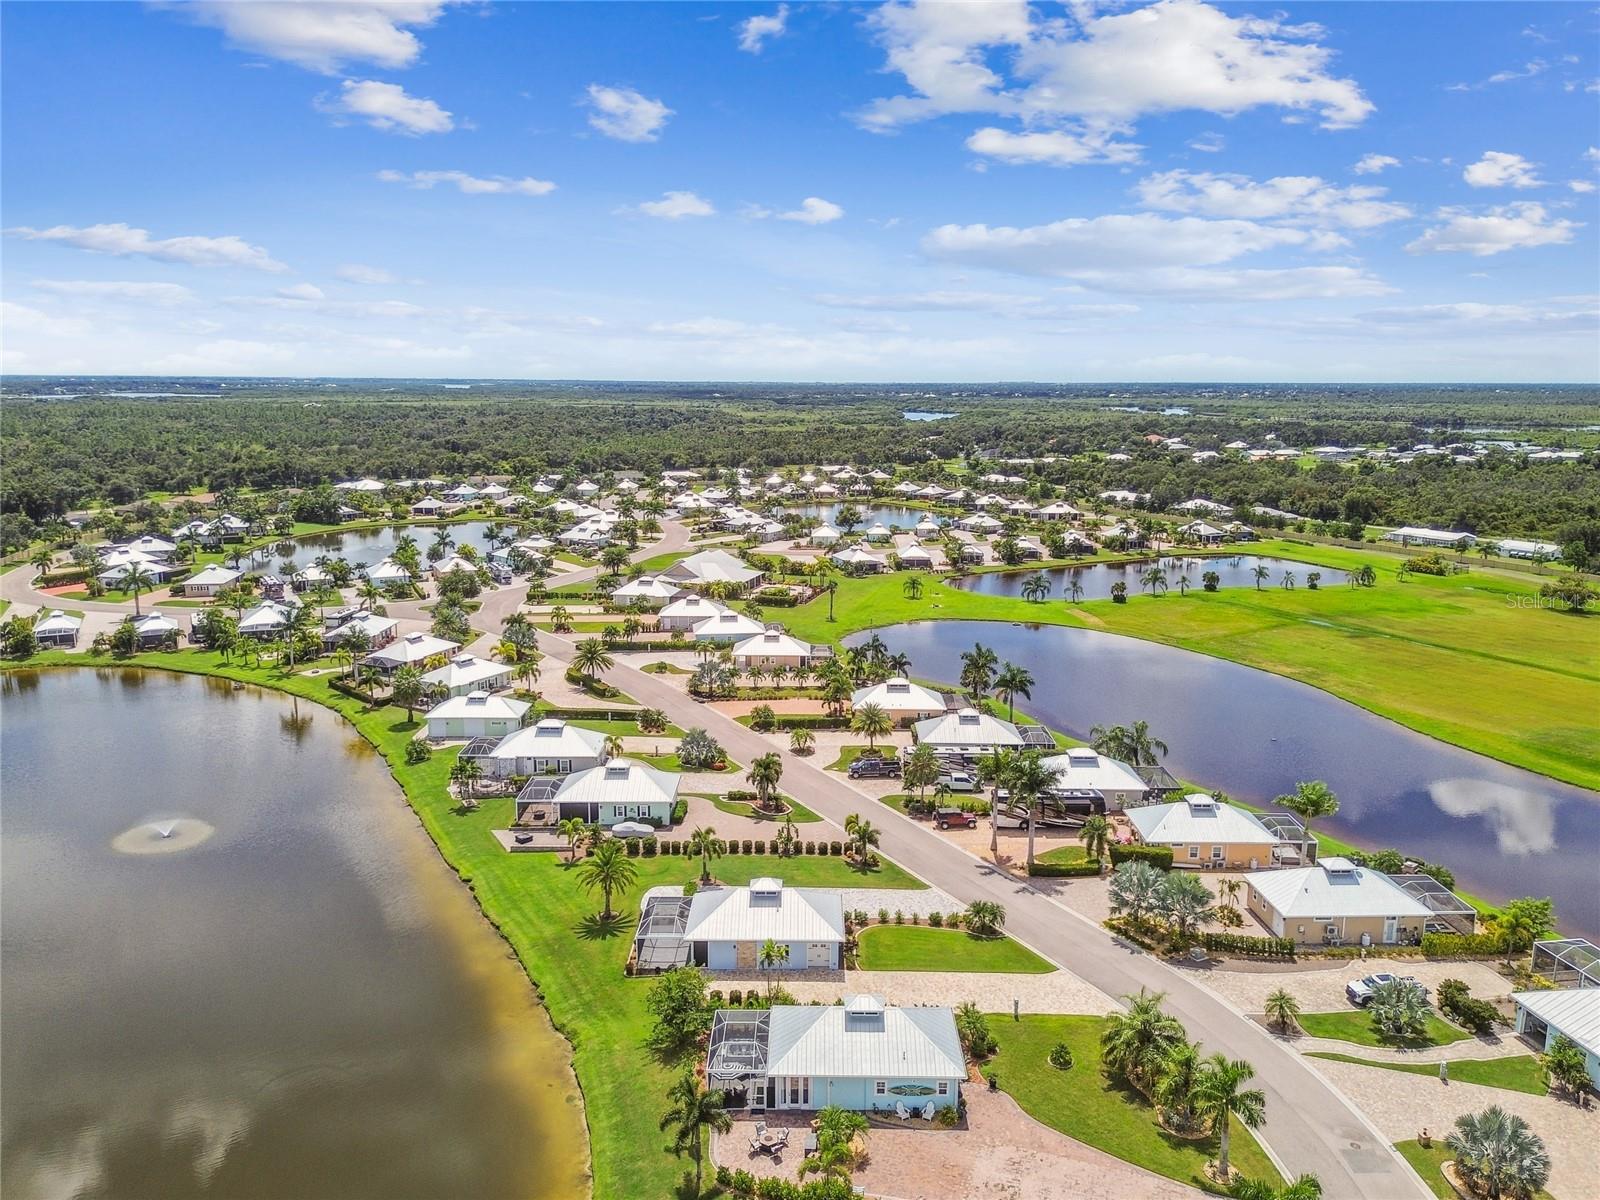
<point>819,954</point>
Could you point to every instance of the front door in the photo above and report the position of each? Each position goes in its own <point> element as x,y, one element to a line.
<point>797,1091</point>
<point>744,956</point>
<point>1390,930</point>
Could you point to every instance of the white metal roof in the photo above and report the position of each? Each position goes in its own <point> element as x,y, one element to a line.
<point>713,566</point>
<point>1573,1011</point>
<point>969,729</point>
<point>694,606</point>
<point>550,738</point>
<point>155,623</point>
<point>465,669</point>
<point>868,1042</point>
<point>386,571</point>
<point>1081,767</point>
<point>1199,818</point>
<point>619,781</point>
<point>58,622</point>
<point>898,694</point>
<point>479,704</point>
<point>772,641</point>
<point>756,913</point>
<point>727,624</point>
<point>369,623</point>
<point>414,647</point>
<point>1335,887</point>
<point>216,575</point>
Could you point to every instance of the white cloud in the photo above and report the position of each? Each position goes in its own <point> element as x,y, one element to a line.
<point>1104,71</point>
<point>1209,142</point>
<point>1303,198</point>
<point>1055,148</point>
<point>1537,66</point>
<point>1592,154</point>
<point>1581,186</point>
<point>1498,169</point>
<point>164,294</point>
<point>302,291</point>
<point>125,241</point>
<point>1006,304</point>
<point>321,34</point>
<point>675,205</point>
<point>361,273</point>
<point>386,106</point>
<point>23,318</point>
<point>754,32</point>
<point>1372,164</point>
<point>1510,227</point>
<point>813,210</point>
<point>1560,315</point>
<point>472,185</point>
<point>624,114</point>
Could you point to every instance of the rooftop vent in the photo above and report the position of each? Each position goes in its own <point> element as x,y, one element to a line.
<point>616,770</point>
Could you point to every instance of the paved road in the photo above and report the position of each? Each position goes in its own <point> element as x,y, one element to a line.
<point>1310,1126</point>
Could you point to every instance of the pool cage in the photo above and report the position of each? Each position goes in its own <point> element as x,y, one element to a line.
<point>658,943</point>
<point>1448,912</point>
<point>736,1060</point>
<point>1568,962</point>
<point>1297,846</point>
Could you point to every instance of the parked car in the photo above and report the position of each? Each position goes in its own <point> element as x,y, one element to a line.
<point>874,768</point>
<point>1359,991</point>
<point>632,829</point>
<point>959,781</point>
<point>954,818</point>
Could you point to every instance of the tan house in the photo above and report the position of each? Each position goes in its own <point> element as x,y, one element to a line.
<point>1335,903</point>
<point>1204,832</point>
<point>774,648</point>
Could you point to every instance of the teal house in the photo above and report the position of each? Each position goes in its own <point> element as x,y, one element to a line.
<point>862,1054</point>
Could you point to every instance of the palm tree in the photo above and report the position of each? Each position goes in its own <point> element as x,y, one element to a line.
<point>1287,581</point>
<point>41,559</point>
<point>707,845</point>
<point>467,772</point>
<point>136,578</point>
<point>1134,1043</point>
<point>1398,1009</point>
<point>1177,1076</point>
<point>1135,890</point>
<point>1154,578</point>
<point>1029,779</point>
<point>1498,1154</point>
<point>1303,1187</point>
<point>1096,837</point>
<point>1035,588</point>
<point>1283,1010</point>
<point>1184,585</point>
<point>920,770</point>
<point>405,689</point>
<point>770,957</point>
<point>763,775</point>
<point>694,1110</point>
<point>802,740</point>
<point>985,917</point>
<point>573,830</point>
<point>863,836</point>
<point>873,722</point>
<point>977,669</point>
<point>1260,574</point>
<point>911,589</point>
<point>607,870</point>
<point>1011,682</point>
<point>591,658</point>
<point>1223,1097</point>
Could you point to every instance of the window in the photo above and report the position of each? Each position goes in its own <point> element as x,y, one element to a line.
<point>1216,854</point>
<point>944,1087</point>
<point>880,1087</point>
<point>1194,851</point>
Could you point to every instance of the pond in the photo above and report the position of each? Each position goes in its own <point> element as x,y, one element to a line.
<point>1504,832</point>
<point>927,416</point>
<point>363,547</point>
<point>1096,579</point>
<point>300,999</point>
<point>891,515</point>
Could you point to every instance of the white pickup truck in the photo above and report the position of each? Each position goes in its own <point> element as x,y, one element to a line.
<point>1360,991</point>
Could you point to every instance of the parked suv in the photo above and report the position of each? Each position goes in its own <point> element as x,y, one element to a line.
<point>875,768</point>
<point>954,818</point>
<point>959,781</point>
<point>1360,991</point>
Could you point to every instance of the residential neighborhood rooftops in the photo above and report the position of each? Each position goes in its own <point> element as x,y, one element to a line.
<point>1574,1011</point>
<point>619,781</point>
<point>478,704</point>
<point>413,648</point>
<point>898,695</point>
<point>712,566</point>
<point>765,909</point>
<point>1199,818</point>
<point>550,738</point>
<point>1081,768</point>
<point>968,729</point>
<point>1335,887</point>
<point>465,669</point>
<point>870,1040</point>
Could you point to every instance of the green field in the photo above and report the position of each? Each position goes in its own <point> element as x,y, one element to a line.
<point>1462,658</point>
<point>923,948</point>
<point>1086,1104</point>
<point>1519,1073</point>
<point>1354,1025</point>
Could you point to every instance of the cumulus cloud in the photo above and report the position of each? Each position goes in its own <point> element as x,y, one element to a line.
<point>1509,227</point>
<point>163,294</point>
<point>755,32</point>
<point>1582,186</point>
<point>472,185</point>
<point>1055,148</point>
<point>624,114</point>
<point>1498,169</point>
<point>301,291</point>
<point>1523,822</point>
<point>1299,198</point>
<point>675,206</point>
<point>813,210</point>
<point>1104,71</point>
<point>1372,164</point>
<point>124,241</point>
<point>363,274</point>
<point>386,106</point>
<point>1209,143</point>
<point>321,34</point>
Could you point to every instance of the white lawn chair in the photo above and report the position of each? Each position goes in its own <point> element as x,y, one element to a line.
<point>928,1111</point>
<point>901,1111</point>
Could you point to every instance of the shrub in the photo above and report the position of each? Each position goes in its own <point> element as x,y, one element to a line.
<point>1239,943</point>
<point>763,719</point>
<point>1061,1056</point>
<point>761,845</point>
<point>1467,1010</point>
<point>650,847</point>
<point>836,848</point>
<point>1156,856</point>
<point>936,919</point>
<point>680,810</point>
<point>916,918</point>
<point>418,752</point>
<point>690,888</point>
<point>883,916</point>
<point>811,847</point>
<point>736,997</point>
<point>633,847</point>
<point>948,1117</point>
<point>899,917</point>
<point>1045,870</point>
<point>1460,945</point>
<point>749,846</point>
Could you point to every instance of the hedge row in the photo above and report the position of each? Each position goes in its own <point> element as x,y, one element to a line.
<point>651,847</point>
<point>1258,947</point>
<point>1062,870</point>
<point>1460,945</point>
<point>62,578</point>
<point>811,721</point>
<point>1156,856</point>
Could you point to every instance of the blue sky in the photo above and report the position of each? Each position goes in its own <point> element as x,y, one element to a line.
<point>981,191</point>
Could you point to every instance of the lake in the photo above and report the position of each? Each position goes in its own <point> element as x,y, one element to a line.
<point>306,1002</point>
<point>890,514</point>
<point>1096,579</point>
<point>1504,832</point>
<point>927,416</point>
<point>363,547</point>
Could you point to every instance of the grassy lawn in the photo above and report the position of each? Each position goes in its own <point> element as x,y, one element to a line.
<point>923,948</point>
<point>573,957</point>
<point>1356,1026</point>
<point>1437,654</point>
<point>801,814</point>
<point>849,754</point>
<point>669,762</point>
<point>1427,1163</point>
<point>665,668</point>
<point>1086,1104</point>
<point>1519,1073</point>
<point>1065,856</point>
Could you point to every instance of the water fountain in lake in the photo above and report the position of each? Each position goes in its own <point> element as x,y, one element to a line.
<point>165,836</point>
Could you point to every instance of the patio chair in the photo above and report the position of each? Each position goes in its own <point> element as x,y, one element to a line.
<point>901,1111</point>
<point>928,1110</point>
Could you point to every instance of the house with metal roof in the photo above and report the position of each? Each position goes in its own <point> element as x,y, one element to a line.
<point>863,1054</point>
<point>1335,903</point>
<point>155,629</point>
<point>725,927</point>
<point>901,699</point>
<point>380,631</point>
<point>727,626</point>
<point>1081,772</point>
<point>712,566</point>
<point>650,591</point>
<point>968,731</point>
<point>467,673</point>
<point>684,613</point>
<point>1572,1013</point>
<point>1205,832</point>
<point>618,790</point>
<point>209,580</point>
<point>477,714</point>
<point>412,650</point>
<point>57,629</point>
<point>774,648</point>
<point>550,746</point>
<point>1416,535</point>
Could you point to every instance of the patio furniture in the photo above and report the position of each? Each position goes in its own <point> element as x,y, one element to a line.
<point>901,1111</point>
<point>928,1110</point>
<point>810,1144</point>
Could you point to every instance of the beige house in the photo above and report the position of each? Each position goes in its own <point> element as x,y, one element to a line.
<point>1205,833</point>
<point>1335,903</point>
<point>774,648</point>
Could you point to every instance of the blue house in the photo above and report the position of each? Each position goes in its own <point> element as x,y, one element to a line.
<point>862,1054</point>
